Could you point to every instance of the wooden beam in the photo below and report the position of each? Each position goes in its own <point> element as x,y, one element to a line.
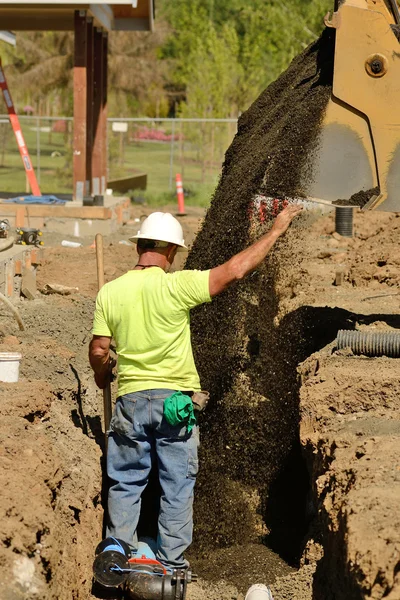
<point>97,157</point>
<point>137,181</point>
<point>104,175</point>
<point>80,105</point>
<point>89,100</point>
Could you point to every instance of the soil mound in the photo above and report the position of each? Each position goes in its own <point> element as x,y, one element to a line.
<point>247,362</point>
<point>360,198</point>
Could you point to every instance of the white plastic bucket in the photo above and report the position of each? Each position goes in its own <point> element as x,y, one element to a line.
<point>9,366</point>
<point>258,591</point>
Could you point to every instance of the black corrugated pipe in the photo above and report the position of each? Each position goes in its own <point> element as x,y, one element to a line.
<point>344,220</point>
<point>380,343</point>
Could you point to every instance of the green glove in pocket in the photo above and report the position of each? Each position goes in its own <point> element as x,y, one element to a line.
<point>178,409</point>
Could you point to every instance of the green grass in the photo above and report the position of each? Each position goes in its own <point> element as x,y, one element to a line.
<point>153,158</point>
<point>53,172</point>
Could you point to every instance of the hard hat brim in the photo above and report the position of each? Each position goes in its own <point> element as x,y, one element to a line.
<point>135,238</point>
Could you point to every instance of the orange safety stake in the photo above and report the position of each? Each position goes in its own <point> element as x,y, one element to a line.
<point>180,196</point>
<point>23,150</point>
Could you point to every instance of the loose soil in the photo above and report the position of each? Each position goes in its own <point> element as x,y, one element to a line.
<point>254,407</point>
<point>359,199</point>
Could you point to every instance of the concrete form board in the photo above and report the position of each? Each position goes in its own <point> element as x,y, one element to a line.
<point>72,217</point>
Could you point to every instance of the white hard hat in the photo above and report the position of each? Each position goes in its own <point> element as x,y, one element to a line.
<point>162,227</point>
<point>259,591</point>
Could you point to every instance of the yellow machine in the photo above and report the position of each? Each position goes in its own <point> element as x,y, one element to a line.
<point>360,140</point>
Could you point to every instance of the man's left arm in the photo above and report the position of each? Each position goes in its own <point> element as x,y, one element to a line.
<point>100,361</point>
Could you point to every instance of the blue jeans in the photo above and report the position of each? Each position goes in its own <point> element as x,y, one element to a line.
<point>138,430</point>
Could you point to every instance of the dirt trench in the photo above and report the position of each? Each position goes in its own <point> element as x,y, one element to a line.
<point>51,511</point>
<point>293,454</point>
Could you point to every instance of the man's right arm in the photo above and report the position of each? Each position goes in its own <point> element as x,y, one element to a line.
<point>246,261</point>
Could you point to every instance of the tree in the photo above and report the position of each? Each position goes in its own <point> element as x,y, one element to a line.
<point>258,41</point>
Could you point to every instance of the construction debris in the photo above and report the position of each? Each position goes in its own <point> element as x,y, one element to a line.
<point>56,288</point>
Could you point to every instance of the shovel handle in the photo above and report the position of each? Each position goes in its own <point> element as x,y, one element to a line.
<point>107,409</point>
<point>100,260</point>
<point>100,278</point>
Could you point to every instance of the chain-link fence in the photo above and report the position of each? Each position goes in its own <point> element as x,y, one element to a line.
<point>161,148</point>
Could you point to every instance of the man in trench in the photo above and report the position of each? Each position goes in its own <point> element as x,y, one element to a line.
<point>146,311</point>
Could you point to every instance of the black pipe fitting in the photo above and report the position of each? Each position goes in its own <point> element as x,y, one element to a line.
<point>344,220</point>
<point>367,343</point>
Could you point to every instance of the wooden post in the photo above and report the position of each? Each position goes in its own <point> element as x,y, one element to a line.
<point>104,175</point>
<point>20,216</point>
<point>80,105</point>
<point>97,157</point>
<point>89,105</point>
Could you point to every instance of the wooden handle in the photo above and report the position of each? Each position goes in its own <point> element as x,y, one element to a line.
<point>107,402</point>
<point>107,406</point>
<point>100,260</point>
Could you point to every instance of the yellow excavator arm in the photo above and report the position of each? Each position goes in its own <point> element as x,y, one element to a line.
<point>359,147</point>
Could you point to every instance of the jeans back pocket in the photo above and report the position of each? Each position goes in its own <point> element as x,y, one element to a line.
<point>124,412</point>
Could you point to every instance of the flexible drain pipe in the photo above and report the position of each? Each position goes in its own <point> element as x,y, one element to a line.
<point>14,311</point>
<point>380,343</point>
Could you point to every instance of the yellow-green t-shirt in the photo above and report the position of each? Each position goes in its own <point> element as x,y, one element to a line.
<point>147,314</point>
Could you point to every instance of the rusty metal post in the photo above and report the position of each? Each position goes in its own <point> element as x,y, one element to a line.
<point>89,104</point>
<point>80,104</point>
<point>97,158</point>
<point>104,174</point>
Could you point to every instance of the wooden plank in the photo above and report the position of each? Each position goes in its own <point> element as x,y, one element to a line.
<point>62,212</point>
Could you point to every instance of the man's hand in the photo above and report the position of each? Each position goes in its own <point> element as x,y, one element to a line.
<point>106,376</point>
<point>285,217</point>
